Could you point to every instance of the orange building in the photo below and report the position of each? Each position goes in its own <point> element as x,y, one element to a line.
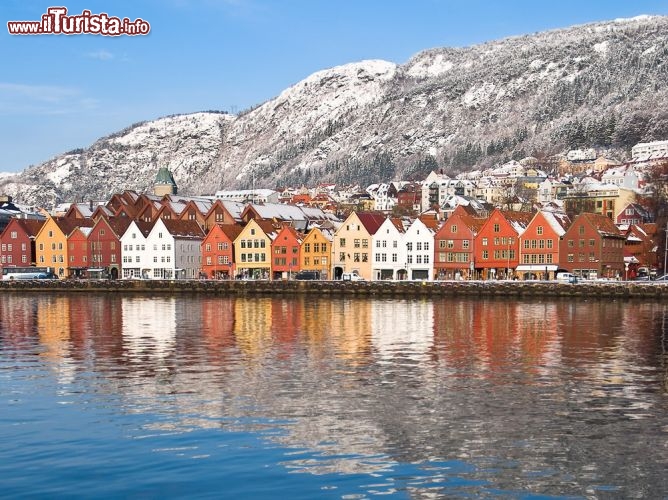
<point>218,251</point>
<point>316,251</point>
<point>285,252</point>
<point>52,246</point>
<point>497,244</point>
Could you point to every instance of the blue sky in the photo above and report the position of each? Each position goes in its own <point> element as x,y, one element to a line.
<point>60,92</point>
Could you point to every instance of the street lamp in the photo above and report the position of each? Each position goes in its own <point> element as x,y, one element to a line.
<point>665,250</point>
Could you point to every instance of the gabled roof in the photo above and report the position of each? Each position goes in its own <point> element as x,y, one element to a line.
<point>518,220</point>
<point>30,226</point>
<point>231,230</point>
<point>67,225</point>
<point>296,234</point>
<point>371,220</point>
<point>119,225</point>
<point>144,227</point>
<point>558,221</point>
<point>268,227</point>
<point>603,225</point>
<point>183,228</point>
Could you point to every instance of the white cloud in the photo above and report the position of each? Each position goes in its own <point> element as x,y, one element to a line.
<point>100,55</point>
<point>42,99</point>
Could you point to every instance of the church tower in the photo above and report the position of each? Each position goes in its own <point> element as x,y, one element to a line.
<point>164,183</point>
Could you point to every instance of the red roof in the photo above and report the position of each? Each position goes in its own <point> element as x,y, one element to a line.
<point>371,220</point>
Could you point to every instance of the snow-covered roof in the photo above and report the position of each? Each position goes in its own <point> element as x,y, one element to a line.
<point>558,221</point>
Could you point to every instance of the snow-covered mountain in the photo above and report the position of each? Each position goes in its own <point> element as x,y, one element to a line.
<point>600,85</point>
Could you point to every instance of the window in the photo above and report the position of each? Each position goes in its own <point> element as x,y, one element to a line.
<point>453,229</point>
<point>342,242</point>
<point>497,228</point>
<point>484,242</point>
<point>465,244</point>
<point>485,254</point>
<point>418,246</point>
<point>207,247</point>
<point>539,230</point>
<point>409,246</point>
<point>356,243</point>
<point>581,229</point>
<point>307,247</point>
<point>356,257</point>
<point>441,243</point>
<point>365,243</point>
<point>342,256</point>
<point>316,247</point>
<point>592,243</point>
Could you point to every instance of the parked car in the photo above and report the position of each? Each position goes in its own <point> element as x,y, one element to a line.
<point>351,277</point>
<point>662,279</point>
<point>307,275</point>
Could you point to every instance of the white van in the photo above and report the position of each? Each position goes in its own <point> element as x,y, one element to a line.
<point>567,277</point>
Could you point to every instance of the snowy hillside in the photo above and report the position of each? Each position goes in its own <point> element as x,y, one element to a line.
<point>600,85</point>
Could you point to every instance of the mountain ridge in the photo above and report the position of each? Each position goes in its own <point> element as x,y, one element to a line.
<point>600,84</point>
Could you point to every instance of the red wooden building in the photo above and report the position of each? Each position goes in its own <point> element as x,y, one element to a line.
<point>497,244</point>
<point>285,252</point>
<point>593,247</point>
<point>539,245</point>
<point>218,260</point>
<point>454,242</point>
<point>17,242</point>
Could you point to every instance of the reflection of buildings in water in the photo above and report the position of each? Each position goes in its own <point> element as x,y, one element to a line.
<point>149,327</point>
<point>53,325</point>
<point>252,326</point>
<point>494,334</point>
<point>350,326</point>
<point>18,320</point>
<point>402,329</point>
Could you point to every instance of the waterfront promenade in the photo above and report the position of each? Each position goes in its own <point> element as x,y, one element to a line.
<point>526,289</point>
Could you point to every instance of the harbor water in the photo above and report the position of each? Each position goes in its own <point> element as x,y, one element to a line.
<point>106,395</point>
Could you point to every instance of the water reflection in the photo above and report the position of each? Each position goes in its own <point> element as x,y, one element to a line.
<point>445,397</point>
